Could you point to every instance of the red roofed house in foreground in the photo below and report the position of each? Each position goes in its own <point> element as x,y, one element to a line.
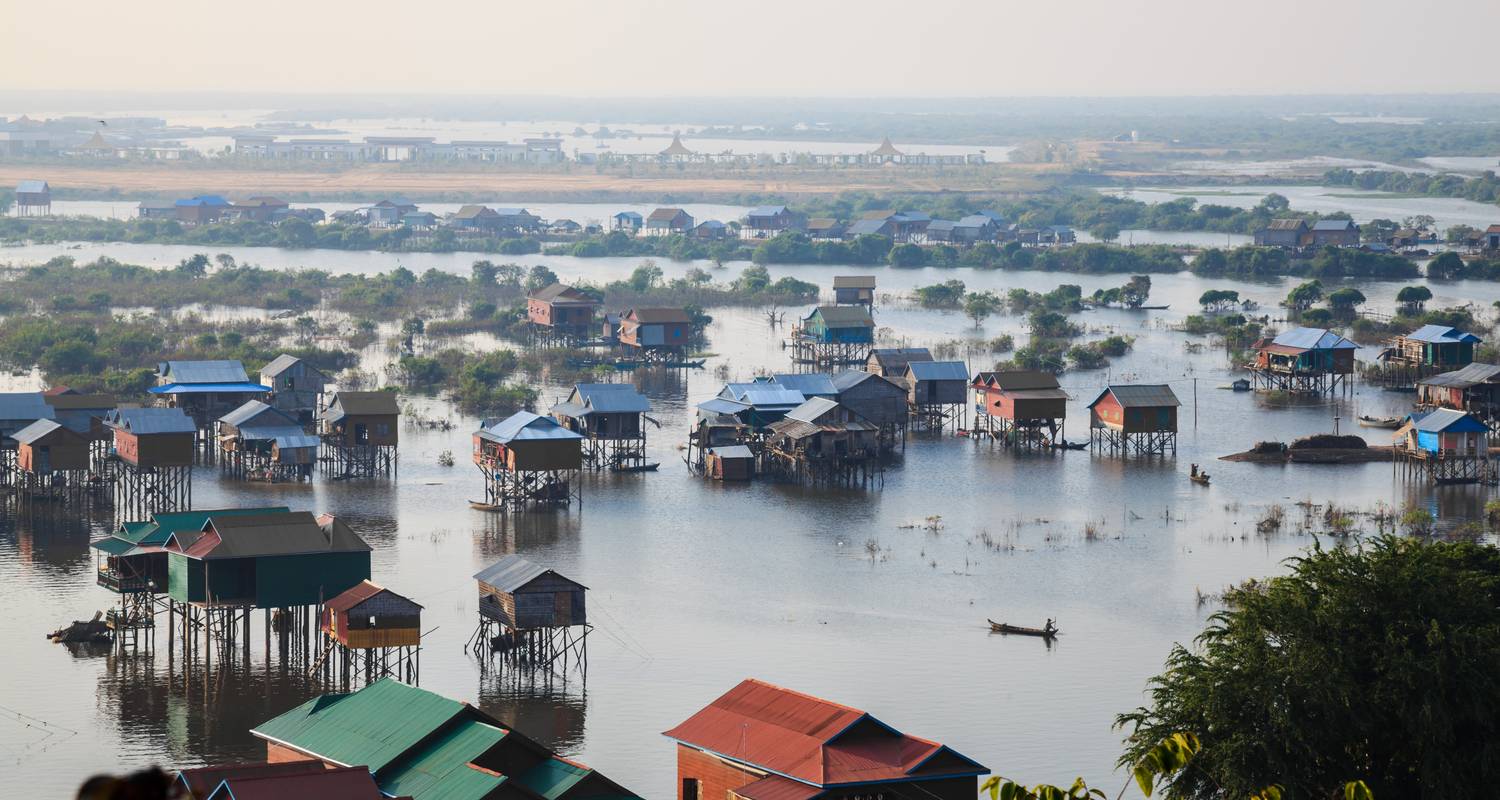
<point>763,742</point>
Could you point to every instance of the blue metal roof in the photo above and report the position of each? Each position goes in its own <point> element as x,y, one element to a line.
<point>143,421</point>
<point>628,215</point>
<point>25,406</point>
<point>812,409</point>
<point>35,430</point>
<point>287,437</point>
<point>866,226</point>
<point>1441,334</point>
<point>220,371</point>
<point>203,200</point>
<point>524,426</point>
<point>938,371</point>
<point>1448,420</point>
<point>1314,339</point>
<point>249,411</point>
<point>764,395</point>
<point>206,388</point>
<point>31,187</point>
<point>810,384</point>
<point>723,405</point>
<point>612,398</point>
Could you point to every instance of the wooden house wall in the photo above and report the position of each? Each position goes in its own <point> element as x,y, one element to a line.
<point>1108,413</point>
<point>730,469</point>
<point>155,449</point>
<point>853,296</point>
<point>544,454</point>
<point>877,401</point>
<point>654,334</point>
<point>381,429</point>
<point>397,623</point>
<point>939,391</point>
<point>1000,404</point>
<point>294,455</point>
<point>309,578</point>
<point>65,452</point>
<point>547,601</point>
<point>605,426</point>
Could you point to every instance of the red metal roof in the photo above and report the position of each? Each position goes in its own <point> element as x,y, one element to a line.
<point>201,781</point>
<point>356,594</point>
<point>775,787</point>
<point>812,740</point>
<point>344,783</point>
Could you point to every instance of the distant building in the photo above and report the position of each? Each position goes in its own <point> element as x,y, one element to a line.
<point>1335,233</point>
<point>201,209</point>
<point>561,308</point>
<point>256,209</point>
<point>656,328</point>
<point>33,198</point>
<point>1492,237</point>
<point>711,229</point>
<point>628,221</point>
<point>389,212</point>
<point>856,290</point>
<point>886,153</point>
<point>149,209</point>
<point>668,221</point>
<point>766,221</point>
<point>825,229</point>
<point>1287,233</point>
<point>676,151</point>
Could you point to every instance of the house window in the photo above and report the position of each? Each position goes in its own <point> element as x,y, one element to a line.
<point>689,789</point>
<point>676,332</point>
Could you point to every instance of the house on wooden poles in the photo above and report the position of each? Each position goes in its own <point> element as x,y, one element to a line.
<point>83,414</point>
<point>810,384</point>
<point>1475,389</point>
<point>833,336</point>
<point>260,443</point>
<point>290,562</point>
<point>528,461</point>
<point>205,391</point>
<point>132,562</point>
<point>937,394</point>
<point>33,199</point>
<point>1303,361</point>
<point>532,614</point>
<point>17,411</point>
<point>418,744</point>
<point>1428,350</point>
<point>759,741</point>
<point>882,402</point>
<point>656,335</point>
<point>735,462</point>
<point>151,460</point>
<point>611,419</point>
<point>359,434</point>
<point>890,362</point>
<point>667,222</point>
<point>764,222</point>
<point>561,313</point>
<point>740,415</point>
<point>370,632</point>
<point>1445,446</point>
<point>854,290</point>
<point>296,388</point>
<point>1139,419</point>
<point>52,465</point>
<point>822,443</point>
<point>1019,408</point>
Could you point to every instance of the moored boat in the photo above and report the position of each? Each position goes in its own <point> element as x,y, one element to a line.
<point>1390,423</point>
<point>1046,632</point>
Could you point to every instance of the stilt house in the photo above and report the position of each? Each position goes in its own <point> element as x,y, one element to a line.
<point>525,595</point>
<point>134,558</point>
<point>810,384</point>
<point>1303,360</point>
<point>1475,389</point>
<point>1015,405</point>
<point>368,616</point>
<point>563,309</point>
<point>1438,347</point>
<point>730,463</point>
<point>258,441</point>
<point>879,401</point>
<point>1139,419</point>
<point>358,419</point>
<point>656,329</point>
<point>854,290</point>
<point>205,390</point>
<point>276,560</point>
<point>296,387</point>
<point>890,362</point>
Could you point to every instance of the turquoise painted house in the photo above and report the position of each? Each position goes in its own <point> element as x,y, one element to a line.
<point>839,325</point>
<point>272,560</point>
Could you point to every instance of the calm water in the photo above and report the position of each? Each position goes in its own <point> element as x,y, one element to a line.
<point>1363,206</point>
<point>694,585</point>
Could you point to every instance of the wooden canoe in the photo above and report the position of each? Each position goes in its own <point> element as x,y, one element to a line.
<point>1020,630</point>
<point>1201,478</point>
<point>478,506</point>
<point>1389,423</point>
<point>647,467</point>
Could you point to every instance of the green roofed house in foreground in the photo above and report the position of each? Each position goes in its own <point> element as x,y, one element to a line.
<point>425,746</point>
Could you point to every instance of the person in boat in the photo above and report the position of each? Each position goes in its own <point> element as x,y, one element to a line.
<point>1193,473</point>
<point>1051,627</point>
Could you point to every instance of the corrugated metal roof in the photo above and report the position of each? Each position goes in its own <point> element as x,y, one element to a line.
<point>854,281</point>
<point>894,359</point>
<point>765,211</point>
<point>32,187</point>
<point>220,371</point>
<point>252,409</point>
<point>1471,375</point>
<point>350,783</point>
<point>1140,395</point>
<point>976,221</point>
<point>666,215</point>
<point>938,371</point>
<point>799,736</point>
<point>764,395</point>
<point>440,769</point>
<point>280,364</point>
<point>1286,224</point>
<point>843,316</point>
<point>24,406</point>
<point>202,780</point>
<point>810,384</point>
<point>163,523</point>
<point>941,225</point>
<point>35,430</point>
<point>286,437</point>
<point>812,409</point>
<point>512,572</point>
<point>81,402</point>
<point>732,451</point>
<point>722,405</point>
<point>207,388</point>
<point>1313,339</point>
<point>373,404</point>
<point>611,398</point>
<point>775,787</point>
<point>553,778</point>
<point>1441,334</point>
<point>1448,420</point>
<point>524,426</point>
<point>360,592</point>
<point>148,421</point>
<point>659,316</point>
<point>373,726</point>
<point>1332,224</point>
<point>262,535</point>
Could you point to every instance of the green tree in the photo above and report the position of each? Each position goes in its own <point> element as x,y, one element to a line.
<point>645,277</point>
<point>1373,660</point>
<point>1105,231</point>
<point>948,294</point>
<point>194,266</point>
<point>1448,266</point>
<point>1412,298</point>
<point>752,280</point>
<point>980,305</point>
<point>483,273</point>
<point>1345,299</point>
<point>907,255</point>
<point>1218,299</point>
<point>1304,296</point>
<point>540,277</point>
<point>1136,291</point>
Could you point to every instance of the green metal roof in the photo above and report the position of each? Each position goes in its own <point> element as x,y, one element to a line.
<point>156,530</point>
<point>553,778</point>
<point>113,546</point>
<point>373,726</point>
<point>441,771</point>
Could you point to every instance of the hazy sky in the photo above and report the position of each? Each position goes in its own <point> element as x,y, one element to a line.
<point>753,47</point>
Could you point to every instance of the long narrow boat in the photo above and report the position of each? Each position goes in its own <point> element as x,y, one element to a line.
<point>478,506</point>
<point>649,466</point>
<point>1390,423</point>
<point>1021,630</point>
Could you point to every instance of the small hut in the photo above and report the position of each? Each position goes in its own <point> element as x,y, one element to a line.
<point>730,463</point>
<point>359,434</point>
<point>33,199</point>
<point>154,448</point>
<point>833,335</point>
<point>658,334</point>
<point>528,460</point>
<point>530,610</point>
<point>52,463</point>
<point>937,392</point>
<point>83,414</point>
<point>296,387</point>
<point>1445,446</point>
<point>1303,360</point>
<point>258,442</point>
<point>205,391</point>
<point>374,632</point>
<point>17,410</point>
<point>559,310</point>
<point>1134,419</point>
<point>890,362</point>
<point>823,443</point>
<point>880,401</point>
<point>275,560</point>
<point>611,419</point>
<point>1475,389</point>
<point>1016,406</point>
<point>854,290</point>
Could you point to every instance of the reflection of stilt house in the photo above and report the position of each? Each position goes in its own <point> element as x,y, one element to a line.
<point>52,464</point>
<point>372,633</point>
<point>822,443</point>
<point>833,336</point>
<point>528,461</point>
<point>882,402</point>
<point>937,393</point>
<point>854,290</point>
<point>295,388</point>
<point>560,313</point>
<point>153,448</point>
<point>1475,389</point>
<point>1303,360</point>
<point>610,417</point>
<point>1020,408</point>
<point>655,335</point>
<point>289,562</point>
<point>205,391</point>
<point>359,434</point>
<point>531,614</point>
<point>1428,350</point>
<point>259,443</point>
<point>17,410</point>
<point>133,562</point>
<point>1445,446</point>
<point>84,414</point>
<point>890,362</point>
<point>1134,420</point>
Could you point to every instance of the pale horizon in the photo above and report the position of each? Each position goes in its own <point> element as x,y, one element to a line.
<point>672,49</point>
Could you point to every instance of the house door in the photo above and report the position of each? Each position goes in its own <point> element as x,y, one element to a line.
<point>44,459</point>
<point>361,433</point>
<point>562,607</point>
